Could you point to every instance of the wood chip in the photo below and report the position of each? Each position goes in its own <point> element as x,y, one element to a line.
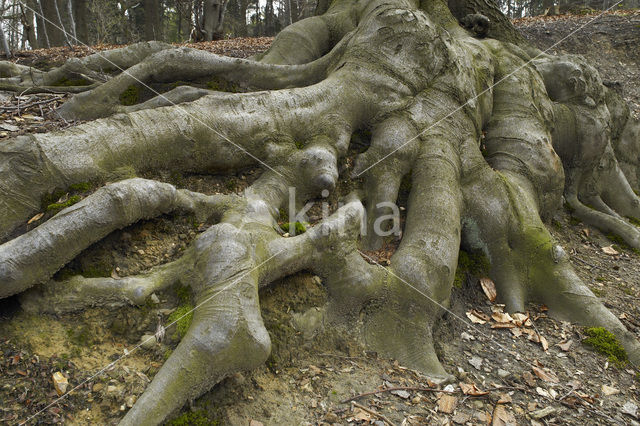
<point>545,375</point>
<point>471,389</point>
<point>502,416</point>
<point>610,250</point>
<point>489,288</point>
<point>447,403</point>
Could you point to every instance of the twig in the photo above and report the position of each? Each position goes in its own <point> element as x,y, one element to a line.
<point>406,388</point>
<point>373,413</point>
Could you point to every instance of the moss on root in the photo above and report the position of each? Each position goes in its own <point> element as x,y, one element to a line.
<point>194,418</point>
<point>300,227</point>
<point>69,82</point>
<point>221,85</point>
<point>475,263</point>
<point>59,206</point>
<point>604,342</point>
<point>130,96</point>
<point>622,244</point>
<point>183,315</point>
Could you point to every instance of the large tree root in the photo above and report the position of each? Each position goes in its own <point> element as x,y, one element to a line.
<point>490,142</point>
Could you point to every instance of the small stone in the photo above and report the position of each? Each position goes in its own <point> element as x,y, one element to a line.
<point>543,412</point>
<point>416,400</point>
<point>255,423</point>
<point>148,341</point>
<point>141,252</point>
<point>476,362</point>
<point>331,417</point>
<point>467,336</point>
<point>131,400</point>
<point>154,298</point>
<point>60,383</point>
<point>630,408</point>
<point>401,393</point>
<point>317,280</point>
<point>608,390</point>
<point>503,373</point>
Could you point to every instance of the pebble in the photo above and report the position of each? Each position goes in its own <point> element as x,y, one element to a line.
<point>503,373</point>
<point>331,417</point>
<point>60,383</point>
<point>542,413</point>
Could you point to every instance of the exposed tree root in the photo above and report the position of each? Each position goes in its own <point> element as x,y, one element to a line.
<point>491,144</point>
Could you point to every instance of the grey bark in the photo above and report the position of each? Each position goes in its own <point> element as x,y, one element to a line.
<point>5,44</point>
<point>488,162</point>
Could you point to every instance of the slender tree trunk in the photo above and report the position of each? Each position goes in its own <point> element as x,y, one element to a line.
<point>212,19</point>
<point>65,34</point>
<point>43,35</point>
<point>5,44</point>
<point>28,23</point>
<point>81,13</point>
<point>152,20</point>
<point>72,22</point>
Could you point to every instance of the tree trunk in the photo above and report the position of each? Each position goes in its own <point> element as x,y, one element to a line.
<point>480,134</point>
<point>82,14</point>
<point>29,24</point>
<point>152,20</point>
<point>5,44</point>
<point>41,22</point>
<point>52,25</point>
<point>212,19</point>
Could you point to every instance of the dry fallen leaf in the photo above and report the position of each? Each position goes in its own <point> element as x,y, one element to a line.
<point>502,416</point>
<point>35,218</point>
<point>610,250</point>
<point>608,390</point>
<point>547,376</point>
<point>505,398</point>
<point>501,317</point>
<point>475,318</point>
<point>471,389</point>
<point>447,403</point>
<point>489,288</point>
<point>565,346</point>
<point>528,377</point>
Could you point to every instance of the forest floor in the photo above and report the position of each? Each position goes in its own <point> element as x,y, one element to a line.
<point>533,370</point>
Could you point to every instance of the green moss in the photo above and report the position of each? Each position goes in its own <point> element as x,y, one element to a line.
<point>221,85</point>
<point>130,96</point>
<point>59,206</point>
<point>300,227</point>
<point>67,82</point>
<point>606,343</point>
<point>634,220</point>
<point>81,187</point>
<point>574,221</point>
<point>299,144</point>
<point>182,316</point>
<point>230,184</point>
<point>475,264</point>
<point>622,244</point>
<point>184,294</point>
<point>598,292</point>
<point>80,336</point>
<point>194,418</point>
<point>568,207</point>
<point>405,184</point>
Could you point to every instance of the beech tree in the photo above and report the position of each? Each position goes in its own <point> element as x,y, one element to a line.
<point>492,132</point>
